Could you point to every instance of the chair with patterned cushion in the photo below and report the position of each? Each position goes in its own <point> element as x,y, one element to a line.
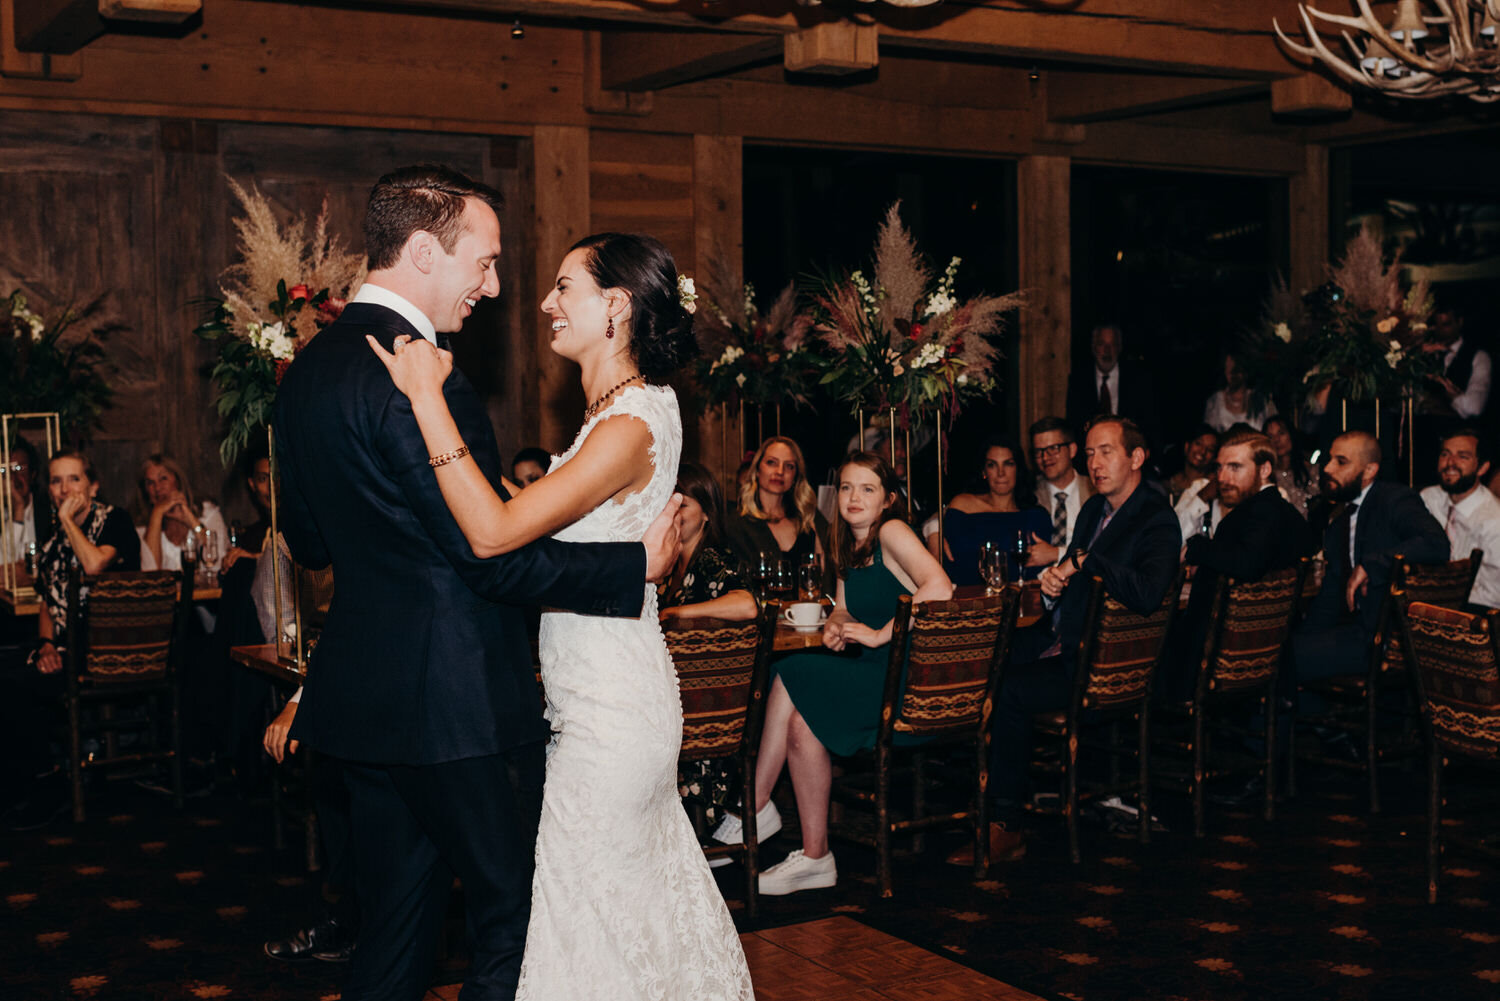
<point>124,646</point>
<point>1455,659</point>
<point>1249,625</point>
<point>1354,701</point>
<point>1118,657</point>
<point>940,683</point>
<point>722,670</point>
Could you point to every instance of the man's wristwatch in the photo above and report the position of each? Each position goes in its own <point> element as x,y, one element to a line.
<point>1073,559</point>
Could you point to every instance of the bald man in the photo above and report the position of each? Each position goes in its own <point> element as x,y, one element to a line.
<point>1373,521</point>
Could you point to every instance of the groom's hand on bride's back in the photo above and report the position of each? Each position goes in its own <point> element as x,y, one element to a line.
<point>662,541</point>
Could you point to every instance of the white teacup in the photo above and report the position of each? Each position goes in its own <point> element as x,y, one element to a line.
<point>803,613</point>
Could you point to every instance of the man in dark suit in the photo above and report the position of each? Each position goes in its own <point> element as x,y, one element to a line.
<point>1261,533</point>
<point>1128,537</point>
<point>422,680</point>
<point>1112,386</point>
<point>1374,522</point>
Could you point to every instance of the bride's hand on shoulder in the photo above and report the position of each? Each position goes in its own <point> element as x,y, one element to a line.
<point>416,366</point>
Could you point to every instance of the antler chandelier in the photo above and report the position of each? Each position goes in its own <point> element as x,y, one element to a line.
<point>1454,53</point>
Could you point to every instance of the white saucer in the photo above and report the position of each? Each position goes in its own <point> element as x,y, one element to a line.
<point>808,629</point>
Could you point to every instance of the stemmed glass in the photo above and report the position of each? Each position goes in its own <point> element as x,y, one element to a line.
<point>782,582</point>
<point>810,578</point>
<point>992,565</point>
<point>762,574</point>
<point>1022,548</point>
<point>208,554</point>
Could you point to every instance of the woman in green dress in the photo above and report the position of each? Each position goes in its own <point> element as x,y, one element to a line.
<point>828,702</point>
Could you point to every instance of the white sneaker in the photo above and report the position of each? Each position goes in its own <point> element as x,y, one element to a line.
<point>732,832</point>
<point>798,872</point>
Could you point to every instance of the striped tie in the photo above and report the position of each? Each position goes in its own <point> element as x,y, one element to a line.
<point>1060,519</point>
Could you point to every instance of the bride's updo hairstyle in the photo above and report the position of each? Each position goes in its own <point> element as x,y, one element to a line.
<point>661,330</point>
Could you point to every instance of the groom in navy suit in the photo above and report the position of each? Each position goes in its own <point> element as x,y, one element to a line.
<point>422,680</point>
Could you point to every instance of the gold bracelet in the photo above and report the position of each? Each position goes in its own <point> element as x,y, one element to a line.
<point>447,457</point>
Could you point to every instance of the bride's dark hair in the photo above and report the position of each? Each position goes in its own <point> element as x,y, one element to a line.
<point>661,331</point>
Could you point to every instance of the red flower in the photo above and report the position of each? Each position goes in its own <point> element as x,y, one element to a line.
<point>916,330</point>
<point>298,291</point>
<point>282,365</point>
<point>330,309</point>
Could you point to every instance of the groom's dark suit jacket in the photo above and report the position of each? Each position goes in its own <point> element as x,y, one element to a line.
<point>417,664</point>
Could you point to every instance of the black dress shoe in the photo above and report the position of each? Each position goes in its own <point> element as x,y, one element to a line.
<point>340,955</point>
<point>327,936</point>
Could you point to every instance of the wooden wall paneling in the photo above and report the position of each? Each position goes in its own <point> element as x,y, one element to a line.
<point>1044,348</point>
<point>1308,225</point>
<point>78,224</point>
<point>560,156</point>
<point>1176,148</point>
<point>643,183</point>
<point>718,236</point>
<point>514,362</point>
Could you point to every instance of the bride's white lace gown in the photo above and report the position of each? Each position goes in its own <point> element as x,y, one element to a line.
<point>623,905</point>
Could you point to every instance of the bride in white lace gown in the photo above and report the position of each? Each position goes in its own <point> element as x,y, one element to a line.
<point>623,904</point>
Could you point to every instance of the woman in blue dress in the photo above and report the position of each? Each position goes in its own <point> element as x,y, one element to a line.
<point>1003,508</point>
<point>828,702</point>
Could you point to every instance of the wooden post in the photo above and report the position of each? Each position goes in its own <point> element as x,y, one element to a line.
<point>718,235</point>
<point>1044,348</point>
<point>1308,225</point>
<point>561,154</point>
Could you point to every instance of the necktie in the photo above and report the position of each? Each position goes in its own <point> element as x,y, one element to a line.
<point>1106,405</point>
<point>1342,523</point>
<point>1060,519</point>
<point>443,343</point>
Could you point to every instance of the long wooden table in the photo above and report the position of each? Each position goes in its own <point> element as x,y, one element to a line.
<point>790,639</point>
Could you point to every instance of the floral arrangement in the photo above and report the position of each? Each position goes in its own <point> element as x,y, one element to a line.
<point>1273,354</point>
<point>761,358</point>
<point>900,341</point>
<point>49,367</point>
<point>261,323</point>
<point>1372,337</point>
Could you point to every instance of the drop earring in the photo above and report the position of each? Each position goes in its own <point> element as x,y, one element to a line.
<point>609,331</point>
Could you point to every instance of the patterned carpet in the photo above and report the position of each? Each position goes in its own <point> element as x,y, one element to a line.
<point>141,902</point>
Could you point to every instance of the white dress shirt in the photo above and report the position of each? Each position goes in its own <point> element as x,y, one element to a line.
<point>1473,523</point>
<point>1354,523</point>
<point>377,296</point>
<point>1471,398</point>
<point>22,531</point>
<point>1191,508</point>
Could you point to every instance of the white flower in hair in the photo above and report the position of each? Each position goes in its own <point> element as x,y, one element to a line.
<point>687,294</point>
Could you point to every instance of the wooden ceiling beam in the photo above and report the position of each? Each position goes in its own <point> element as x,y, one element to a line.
<point>1104,97</point>
<point>59,26</point>
<point>1212,37</point>
<point>654,60</point>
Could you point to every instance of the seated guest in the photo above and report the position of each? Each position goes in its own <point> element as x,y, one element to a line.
<point>1197,462</point>
<point>1295,476</point>
<point>1126,536</point>
<point>171,513</point>
<point>1374,521</point>
<point>777,512</point>
<point>1469,514</point>
<point>705,582</point>
<point>99,538</point>
<point>1463,387</point>
<point>1003,508</point>
<point>828,702</point>
<point>22,529</point>
<point>1112,386</point>
<point>1261,532</point>
<point>1059,488</point>
<point>529,465</point>
<point>1235,403</point>
<point>1199,510</point>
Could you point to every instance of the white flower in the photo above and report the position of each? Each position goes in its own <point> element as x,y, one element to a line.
<point>38,328</point>
<point>963,379</point>
<point>687,294</point>
<point>1283,333</point>
<point>940,303</point>
<point>1394,355</point>
<point>730,354</point>
<point>749,301</point>
<point>931,353</point>
<point>739,380</point>
<point>271,339</point>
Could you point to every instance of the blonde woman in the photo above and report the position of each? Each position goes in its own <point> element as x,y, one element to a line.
<point>171,513</point>
<point>778,509</point>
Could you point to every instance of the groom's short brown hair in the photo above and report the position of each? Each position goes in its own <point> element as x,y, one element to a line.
<point>425,196</point>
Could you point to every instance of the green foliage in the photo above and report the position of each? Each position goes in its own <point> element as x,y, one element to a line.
<point>54,367</point>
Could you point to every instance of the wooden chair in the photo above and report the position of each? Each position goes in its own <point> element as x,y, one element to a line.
<point>1249,626</point>
<point>124,646</point>
<point>1118,656</point>
<point>1455,659</point>
<point>722,670</point>
<point>940,684</point>
<point>1354,699</point>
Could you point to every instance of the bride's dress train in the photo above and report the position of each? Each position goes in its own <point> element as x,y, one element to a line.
<point>623,905</point>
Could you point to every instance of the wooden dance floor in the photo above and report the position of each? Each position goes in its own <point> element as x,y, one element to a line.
<point>839,959</point>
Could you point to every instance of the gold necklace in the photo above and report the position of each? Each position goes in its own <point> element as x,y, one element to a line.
<point>597,405</point>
